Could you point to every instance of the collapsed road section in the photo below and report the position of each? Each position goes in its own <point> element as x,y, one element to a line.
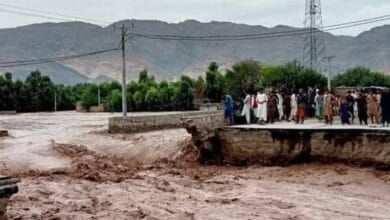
<point>151,121</point>
<point>286,143</point>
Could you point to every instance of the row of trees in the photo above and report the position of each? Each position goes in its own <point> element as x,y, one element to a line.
<point>251,75</point>
<point>146,94</point>
<point>361,76</point>
<point>37,92</point>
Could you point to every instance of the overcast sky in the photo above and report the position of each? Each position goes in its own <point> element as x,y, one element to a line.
<point>255,12</point>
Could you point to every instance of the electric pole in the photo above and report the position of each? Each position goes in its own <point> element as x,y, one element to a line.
<point>99,94</point>
<point>124,103</point>
<point>55,100</point>
<point>329,59</point>
<point>314,46</point>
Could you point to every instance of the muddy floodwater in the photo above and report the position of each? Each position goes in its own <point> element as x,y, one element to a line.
<point>72,168</point>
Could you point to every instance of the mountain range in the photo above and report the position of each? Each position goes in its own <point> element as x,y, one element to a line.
<point>169,59</point>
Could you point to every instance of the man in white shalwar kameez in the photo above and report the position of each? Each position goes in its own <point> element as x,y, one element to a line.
<point>294,107</point>
<point>262,106</point>
<point>246,111</point>
<point>280,105</point>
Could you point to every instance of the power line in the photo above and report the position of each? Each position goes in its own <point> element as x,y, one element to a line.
<point>197,38</point>
<point>59,58</point>
<point>358,21</point>
<point>50,13</point>
<point>33,15</point>
<point>258,35</point>
<point>246,36</point>
<point>52,59</point>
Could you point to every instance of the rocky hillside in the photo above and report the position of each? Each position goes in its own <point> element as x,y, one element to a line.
<point>168,59</point>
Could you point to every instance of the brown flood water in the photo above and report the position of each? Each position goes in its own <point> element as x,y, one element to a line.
<point>72,169</point>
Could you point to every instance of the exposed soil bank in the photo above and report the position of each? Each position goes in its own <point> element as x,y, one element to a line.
<point>286,146</point>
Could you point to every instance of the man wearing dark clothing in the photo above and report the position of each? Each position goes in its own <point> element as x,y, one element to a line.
<point>228,108</point>
<point>302,102</point>
<point>385,107</point>
<point>286,106</point>
<point>362,108</point>
<point>310,111</point>
<point>344,112</point>
<point>272,107</point>
<point>351,102</point>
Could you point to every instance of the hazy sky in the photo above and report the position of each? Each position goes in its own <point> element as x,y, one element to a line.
<point>256,12</point>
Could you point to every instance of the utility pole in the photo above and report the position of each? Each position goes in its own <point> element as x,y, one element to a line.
<point>98,94</point>
<point>124,104</point>
<point>329,59</point>
<point>55,100</point>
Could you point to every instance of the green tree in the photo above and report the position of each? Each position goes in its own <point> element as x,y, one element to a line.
<point>187,79</point>
<point>7,93</point>
<point>66,98</point>
<point>185,96</point>
<point>114,100</point>
<point>144,78</point>
<point>244,75</point>
<point>152,100</point>
<point>130,102</point>
<point>361,76</point>
<point>214,82</point>
<point>89,97</point>
<point>41,91</point>
<point>199,87</point>
<point>20,95</point>
<point>139,100</point>
<point>292,75</point>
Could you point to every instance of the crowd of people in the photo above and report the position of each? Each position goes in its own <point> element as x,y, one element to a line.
<point>269,105</point>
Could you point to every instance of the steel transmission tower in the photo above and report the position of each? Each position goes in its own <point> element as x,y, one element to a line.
<point>314,45</point>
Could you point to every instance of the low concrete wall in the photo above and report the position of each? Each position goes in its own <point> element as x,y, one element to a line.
<point>211,106</point>
<point>12,112</point>
<point>100,108</point>
<point>284,146</point>
<point>158,121</point>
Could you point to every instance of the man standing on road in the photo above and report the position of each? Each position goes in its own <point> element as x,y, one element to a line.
<point>328,107</point>
<point>372,105</point>
<point>280,104</point>
<point>385,107</point>
<point>302,102</point>
<point>319,105</point>
<point>362,108</point>
<point>272,107</point>
<point>294,107</point>
<point>228,107</point>
<point>262,100</point>
<point>286,106</point>
<point>351,103</point>
<point>246,110</point>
